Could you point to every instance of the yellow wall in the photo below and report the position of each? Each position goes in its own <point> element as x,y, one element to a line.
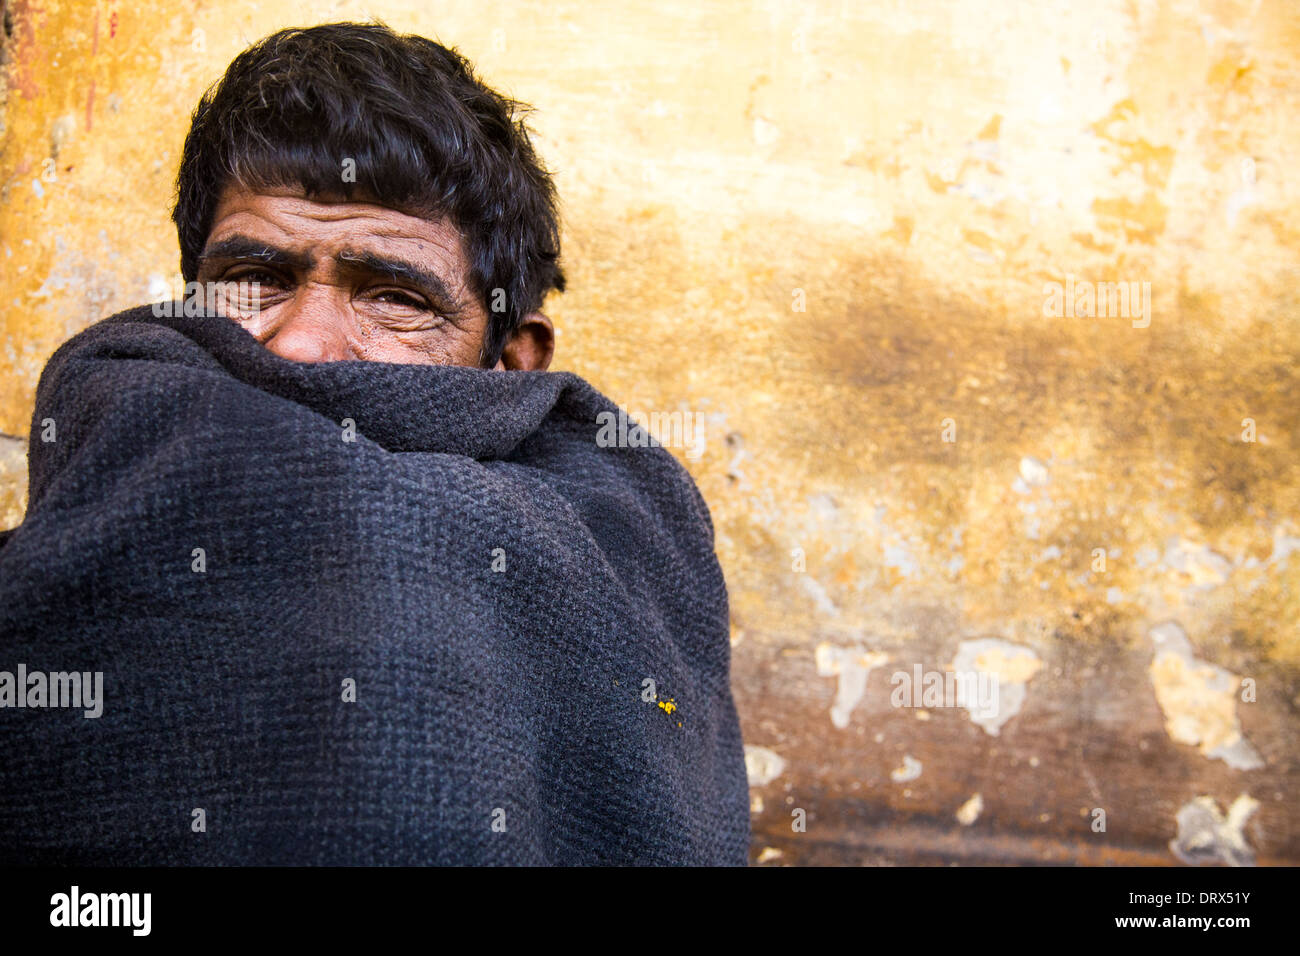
<point>913,175</point>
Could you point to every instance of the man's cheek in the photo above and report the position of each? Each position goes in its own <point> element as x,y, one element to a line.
<point>408,349</point>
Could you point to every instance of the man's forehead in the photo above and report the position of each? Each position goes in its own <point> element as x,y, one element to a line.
<point>287,215</point>
<point>282,227</point>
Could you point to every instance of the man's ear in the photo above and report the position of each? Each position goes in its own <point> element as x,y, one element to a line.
<point>531,346</point>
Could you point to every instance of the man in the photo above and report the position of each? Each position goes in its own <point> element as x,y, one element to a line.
<point>336,572</point>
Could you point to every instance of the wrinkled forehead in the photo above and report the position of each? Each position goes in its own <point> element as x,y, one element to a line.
<point>293,201</point>
<point>285,217</point>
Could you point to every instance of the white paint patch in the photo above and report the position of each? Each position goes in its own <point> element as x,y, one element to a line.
<point>1009,665</point>
<point>765,132</point>
<point>852,665</point>
<point>970,811</point>
<point>1284,545</point>
<point>1199,700</point>
<point>825,510</point>
<point>159,289</point>
<point>910,770</point>
<point>819,595</point>
<point>762,766</point>
<point>897,556</point>
<point>1033,471</point>
<point>1206,568</point>
<point>1206,835</point>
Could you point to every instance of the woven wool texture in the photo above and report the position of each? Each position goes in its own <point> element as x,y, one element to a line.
<point>515,697</point>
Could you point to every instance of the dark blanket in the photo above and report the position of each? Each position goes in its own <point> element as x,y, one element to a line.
<point>499,589</point>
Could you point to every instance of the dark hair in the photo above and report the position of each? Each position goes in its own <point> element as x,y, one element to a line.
<point>426,135</point>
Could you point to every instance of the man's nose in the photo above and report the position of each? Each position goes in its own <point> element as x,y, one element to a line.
<point>310,328</point>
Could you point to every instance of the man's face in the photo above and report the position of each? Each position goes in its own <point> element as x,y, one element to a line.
<point>352,280</point>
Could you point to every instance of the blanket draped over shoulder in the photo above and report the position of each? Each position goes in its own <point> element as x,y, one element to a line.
<point>355,613</point>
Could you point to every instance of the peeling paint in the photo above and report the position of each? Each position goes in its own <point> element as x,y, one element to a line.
<point>818,593</point>
<point>1199,700</point>
<point>1033,471</point>
<point>1011,665</point>
<point>1284,545</point>
<point>910,770</point>
<point>970,811</point>
<point>1206,835</point>
<point>852,665</point>
<point>762,765</point>
<point>1205,568</point>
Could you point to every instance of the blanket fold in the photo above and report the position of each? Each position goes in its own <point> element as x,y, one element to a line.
<point>354,613</point>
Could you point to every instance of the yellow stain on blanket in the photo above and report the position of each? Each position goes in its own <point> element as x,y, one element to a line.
<point>668,707</point>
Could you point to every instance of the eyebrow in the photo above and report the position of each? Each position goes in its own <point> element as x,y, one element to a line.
<point>243,248</point>
<point>404,271</point>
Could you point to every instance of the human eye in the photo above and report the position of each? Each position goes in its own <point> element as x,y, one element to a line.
<point>259,275</point>
<point>247,290</point>
<point>401,298</point>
